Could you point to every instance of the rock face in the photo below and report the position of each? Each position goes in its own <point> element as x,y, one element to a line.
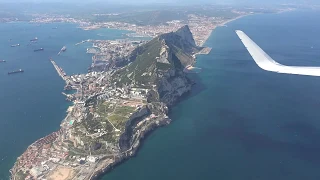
<point>172,87</point>
<point>124,141</point>
<point>159,67</point>
<point>186,35</point>
<point>163,57</point>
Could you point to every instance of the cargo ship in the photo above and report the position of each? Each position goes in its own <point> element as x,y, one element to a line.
<point>15,45</point>
<point>17,71</point>
<point>34,39</point>
<point>63,49</point>
<point>41,49</point>
<point>2,61</point>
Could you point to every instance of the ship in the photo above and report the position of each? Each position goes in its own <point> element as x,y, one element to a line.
<point>2,61</point>
<point>41,49</point>
<point>34,39</point>
<point>17,71</point>
<point>15,45</point>
<point>63,49</point>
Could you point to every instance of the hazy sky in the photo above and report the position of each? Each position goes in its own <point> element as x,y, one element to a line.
<point>175,1</point>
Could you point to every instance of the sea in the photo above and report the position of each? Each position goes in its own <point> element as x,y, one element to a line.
<point>31,103</point>
<point>239,122</point>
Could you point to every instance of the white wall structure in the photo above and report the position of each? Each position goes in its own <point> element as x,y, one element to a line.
<point>264,61</point>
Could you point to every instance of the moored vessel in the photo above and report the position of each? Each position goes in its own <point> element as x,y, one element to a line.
<point>15,45</point>
<point>34,39</point>
<point>17,71</point>
<point>41,49</point>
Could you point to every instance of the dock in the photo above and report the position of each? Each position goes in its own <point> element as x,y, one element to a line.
<point>205,50</point>
<point>60,71</point>
<point>84,41</point>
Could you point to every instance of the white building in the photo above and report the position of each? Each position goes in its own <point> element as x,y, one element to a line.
<point>92,159</point>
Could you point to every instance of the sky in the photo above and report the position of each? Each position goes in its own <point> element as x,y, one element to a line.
<point>175,1</point>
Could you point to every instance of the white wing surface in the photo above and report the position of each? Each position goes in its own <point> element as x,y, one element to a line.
<point>264,61</point>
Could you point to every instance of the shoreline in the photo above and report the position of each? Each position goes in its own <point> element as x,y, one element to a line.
<point>222,24</point>
<point>100,172</point>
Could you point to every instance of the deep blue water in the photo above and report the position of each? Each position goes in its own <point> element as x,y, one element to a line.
<point>31,103</point>
<point>241,122</point>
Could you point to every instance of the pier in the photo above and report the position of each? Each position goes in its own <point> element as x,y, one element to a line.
<point>205,50</point>
<point>60,71</point>
<point>84,41</point>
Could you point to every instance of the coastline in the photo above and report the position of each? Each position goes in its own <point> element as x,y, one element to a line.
<point>132,150</point>
<point>222,24</point>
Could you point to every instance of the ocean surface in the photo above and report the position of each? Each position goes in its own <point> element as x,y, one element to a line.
<point>31,103</point>
<point>241,122</point>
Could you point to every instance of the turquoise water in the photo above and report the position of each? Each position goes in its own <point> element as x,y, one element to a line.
<point>241,122</point>
<point>31,103</point>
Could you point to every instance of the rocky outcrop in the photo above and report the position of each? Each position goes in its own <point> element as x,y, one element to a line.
<point>161,121</point>
<point>172,86</point>
<point>124,141</point>
<point>185,33</point>
<point>159,67</point>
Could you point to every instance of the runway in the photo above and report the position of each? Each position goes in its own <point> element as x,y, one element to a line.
<point>264,61</point>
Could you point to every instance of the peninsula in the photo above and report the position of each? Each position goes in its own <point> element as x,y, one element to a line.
<point>113,111</point>
<point>126,94</point>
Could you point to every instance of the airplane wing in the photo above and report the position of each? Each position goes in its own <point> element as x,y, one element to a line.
<point>264,61</point>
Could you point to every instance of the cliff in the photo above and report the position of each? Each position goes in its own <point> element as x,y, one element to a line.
<point>158,65</point>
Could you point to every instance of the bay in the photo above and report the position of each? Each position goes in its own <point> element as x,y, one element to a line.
<point>31,103</point>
